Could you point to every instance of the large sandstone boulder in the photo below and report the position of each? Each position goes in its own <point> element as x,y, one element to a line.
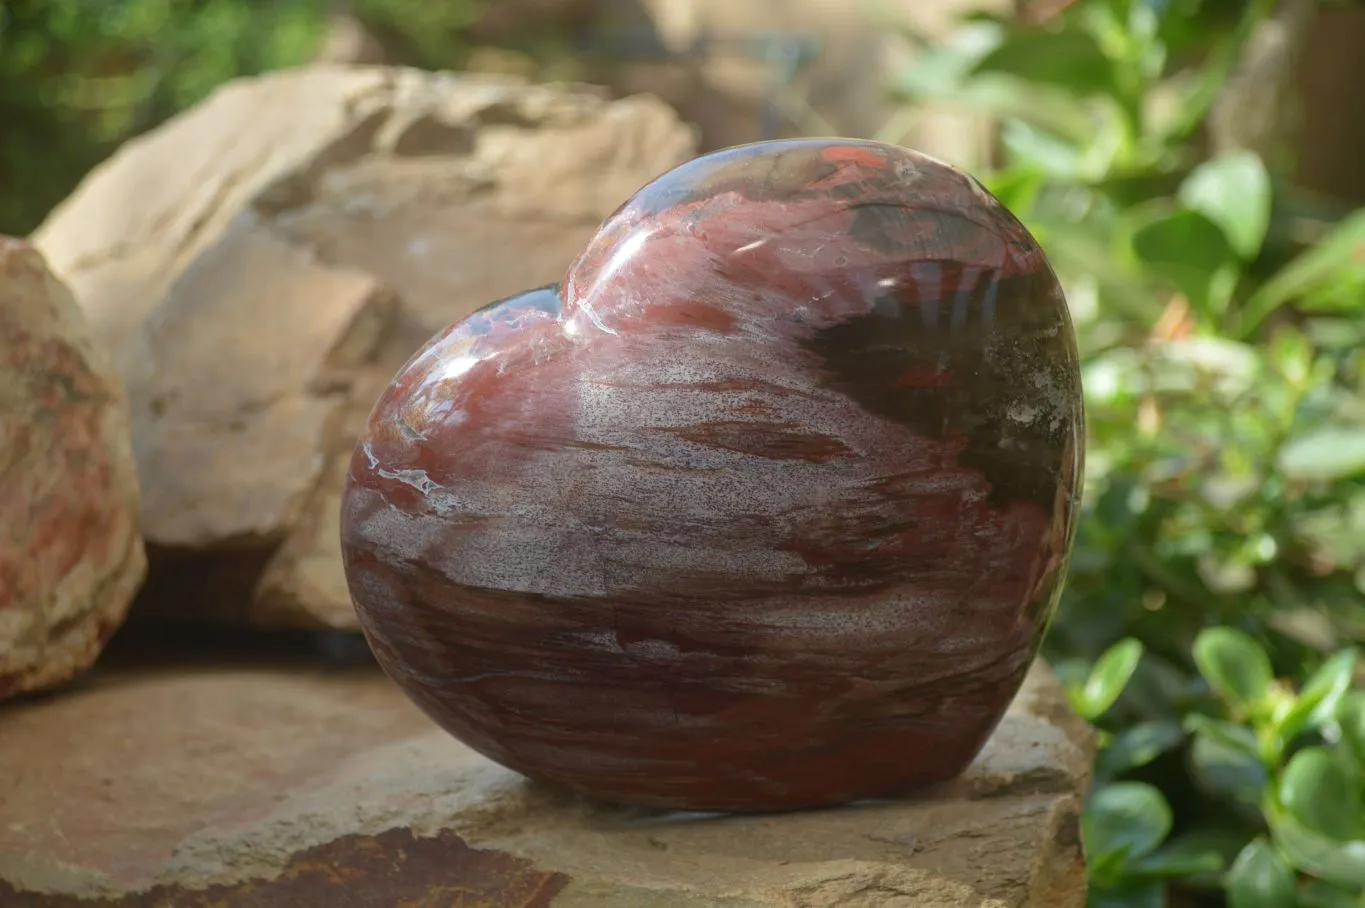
<point>262,264</point>
<point>337,792</point>
<point>70,555</point>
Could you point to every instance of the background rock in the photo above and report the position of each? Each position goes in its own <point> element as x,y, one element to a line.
<point>262,264</point>
<point>844,91</point>
<point>337,792</point>
<point>70,555</point>
<point>1330,143</point>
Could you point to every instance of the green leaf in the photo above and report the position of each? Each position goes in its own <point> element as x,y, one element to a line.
<point>1234,664</point>
<point>1109,676</point>
<point>1342,863</point>
<point>1183,858</point>
<point>1292,353</point>
<point>1317,791</point>
<point>1320,697</point>
<point>1017,188</point>
<point>1233,367</point>
<point>1190,251</point>
<point>1105,870</point>
<point>946,70</point>
<point>1150,894</point>
<point>1137,746</point>
<point>1325,455</point>
<point>1225,760</point>
<point>1351,717</point>
<point>1234,192</point>
<point>1084,248</point>
<point>1320,894</point>
<point>1342,249</point>
<point>943,68</point>
<point>1005,97</point>
<point>1335,532</point>
<point>1205,845</point>
<point>1067,59</point>
<point>1260,878</point>
<point>1126,818</point>
<point>1042,150</point>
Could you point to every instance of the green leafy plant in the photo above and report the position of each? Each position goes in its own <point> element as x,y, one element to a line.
<point>1126,824</point>
<point>1216,592</point>
<point>1292,756</point>
<point>79,77</point>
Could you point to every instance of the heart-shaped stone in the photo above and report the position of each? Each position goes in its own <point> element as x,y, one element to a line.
<point>770,510</point>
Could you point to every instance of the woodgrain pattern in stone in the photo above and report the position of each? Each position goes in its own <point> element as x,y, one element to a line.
<point>770,511</point>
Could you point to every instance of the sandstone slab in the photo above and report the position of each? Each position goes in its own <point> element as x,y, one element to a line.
<point>252,783</point>
<point>71,558</point>
<point>262,264</point>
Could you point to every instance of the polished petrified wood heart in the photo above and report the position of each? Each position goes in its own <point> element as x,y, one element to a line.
<point>769,510</point>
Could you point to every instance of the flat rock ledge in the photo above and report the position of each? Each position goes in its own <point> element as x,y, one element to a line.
<point>275,786</point>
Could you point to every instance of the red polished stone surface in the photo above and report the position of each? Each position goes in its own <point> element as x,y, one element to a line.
<point>771,512</point>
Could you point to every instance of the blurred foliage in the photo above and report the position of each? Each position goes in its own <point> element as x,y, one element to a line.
<point>1217,589</point>
<point>79,77</point>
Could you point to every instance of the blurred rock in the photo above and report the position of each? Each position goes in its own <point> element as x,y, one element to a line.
<point>348,40</point>
<point>1330,141</point>
<point>508,64</point>
<point>258,785</point>
<point>1258,108</point>
<point>262,264</point>
<point>512,21</point>
<point>505,23</point>
<point>844,91</point>
<point>71,559</point>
